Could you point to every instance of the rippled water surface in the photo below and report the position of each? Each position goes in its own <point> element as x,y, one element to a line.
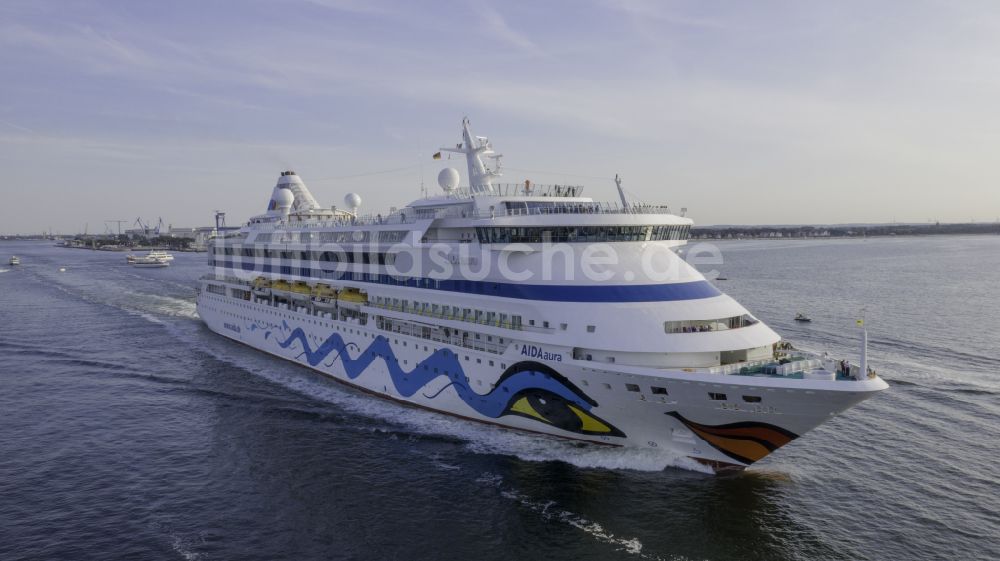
<point>128,430</point>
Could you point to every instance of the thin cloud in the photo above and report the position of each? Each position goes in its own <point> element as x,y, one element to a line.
<point>350,6</point>
<point>15,126</point>
<point>497,26</point>
<point>646,10</point>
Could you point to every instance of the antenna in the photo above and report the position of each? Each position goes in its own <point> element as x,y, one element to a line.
<point>621,192</point>
<point>864,345</point>
<point>423,190</point>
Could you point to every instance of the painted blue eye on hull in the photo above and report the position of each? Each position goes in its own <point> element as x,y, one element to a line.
<point>442,362</point>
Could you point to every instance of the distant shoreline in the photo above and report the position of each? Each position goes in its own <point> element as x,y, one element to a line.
<point>840,231</point>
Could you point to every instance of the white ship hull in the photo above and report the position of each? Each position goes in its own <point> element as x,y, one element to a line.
<point>550,395</point>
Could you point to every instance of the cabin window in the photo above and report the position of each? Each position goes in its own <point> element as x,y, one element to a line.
<point>632,387</point>
<point>716,396</point>
<point>703,325</point>
<point>591,329</point>
<point>751,398</point>
<point>657,390</point>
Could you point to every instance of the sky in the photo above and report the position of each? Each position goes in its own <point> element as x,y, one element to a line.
<point>742,112</point>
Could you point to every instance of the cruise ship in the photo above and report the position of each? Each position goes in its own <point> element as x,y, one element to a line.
<point>526,306</point>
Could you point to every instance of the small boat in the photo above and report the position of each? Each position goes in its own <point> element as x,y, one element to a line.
<point>14,260</point>
<point>152,254</point>
<point>149,262</point>
<point>803,318</point>
<point>160,255</point>
<point>62,269</point>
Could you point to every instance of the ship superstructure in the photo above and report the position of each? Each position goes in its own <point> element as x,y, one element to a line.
<point>528,306</point>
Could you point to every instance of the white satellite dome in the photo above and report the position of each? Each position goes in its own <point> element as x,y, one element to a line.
<point>448,179</point>
<point>281,203</point>
<point>352,200</point>
<point>283,198</point>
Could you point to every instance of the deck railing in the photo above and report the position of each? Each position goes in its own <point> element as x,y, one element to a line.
<point>411,216</point>
<point>458,317</point>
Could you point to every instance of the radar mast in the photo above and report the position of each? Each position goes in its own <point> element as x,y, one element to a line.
<point>475,149</point>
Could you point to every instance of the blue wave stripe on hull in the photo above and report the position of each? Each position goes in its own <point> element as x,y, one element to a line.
<point>441,362</point>
<point>551,293</point>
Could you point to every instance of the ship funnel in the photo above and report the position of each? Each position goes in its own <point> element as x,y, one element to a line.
<point>304,200</point>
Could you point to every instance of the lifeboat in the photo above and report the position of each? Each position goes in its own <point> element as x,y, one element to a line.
<point>324,296</point>
<point>324,291</point>
<point>353,296</point>
<point>301,289</point>
<point>261,286</point>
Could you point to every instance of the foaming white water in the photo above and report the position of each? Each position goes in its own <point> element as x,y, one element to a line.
<point>164,305</point>
<point>551,512</point>
<point>4,270</point>
<point>546,449</point>
<point>149,306</point>
<point>146,316</point>
<point>122,300</point>
<point>183,548</point>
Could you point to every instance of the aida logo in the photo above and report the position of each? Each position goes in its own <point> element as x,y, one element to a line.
<point>540,353</point>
